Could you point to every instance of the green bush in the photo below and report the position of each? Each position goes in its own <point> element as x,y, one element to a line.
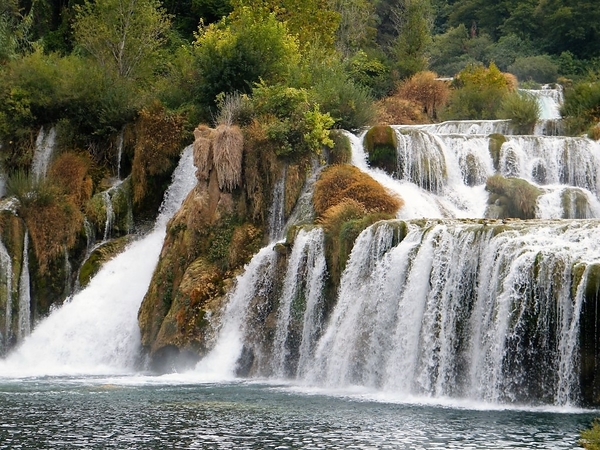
<point>232,55</point>
<point>39,89</point>
<point>478,95</point>
<point>581,107</point>
<point>293,123</point>
<point>590,438</point>
<point>540,68</point>
<point>522,109</point>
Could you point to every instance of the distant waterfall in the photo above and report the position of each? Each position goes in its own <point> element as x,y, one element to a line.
<point>44,146</point>
<point>97,330</point>
<point>110,214</point>
<point>24,294</point>
<point>119,153</point>
<point>549,98</point>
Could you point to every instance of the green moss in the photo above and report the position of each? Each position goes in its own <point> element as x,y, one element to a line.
<point>341,153</point>
<point>517,197</point>
<point>495,145</point>
<point>100,256</point>
<point>573,200</point>
<point>381,143</point>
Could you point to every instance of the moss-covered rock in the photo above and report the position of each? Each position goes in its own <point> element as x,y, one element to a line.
<point>495,145</point>
<point>589,336</point>
<point>99,257</point>
<point>511,198</point>
<point>381,143</point>
<point>116,200</point>
<point>341,153</point>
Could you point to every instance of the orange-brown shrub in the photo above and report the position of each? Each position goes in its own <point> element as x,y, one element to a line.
<point>335,216</point>
<point>424,89</point>
<point>394,110</point>
<point>69,172</point>
<point>53,226</point>
<point>345,182</point>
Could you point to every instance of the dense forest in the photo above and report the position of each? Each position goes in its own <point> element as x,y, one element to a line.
<point>92,66</point>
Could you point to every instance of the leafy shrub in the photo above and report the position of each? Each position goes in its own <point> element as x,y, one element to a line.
<point>40,89</point>
<point>590,438</point>
<point>541,69</point>
<point>522,109</point>
<point>341,152</point>
<point>479,93</point>
<point>292,123</point>
<point>349,104</point>
<point>581,107</point>
<point>230,56</point>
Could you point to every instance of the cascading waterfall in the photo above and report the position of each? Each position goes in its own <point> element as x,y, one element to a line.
<point>6,277</point>
<point>481,309</point>
<point>277,212</point>
<point>462,310</point>
<point>255,284</point>
<point>299,315</point>
<point>44,146</point>
<point>97,330</point>
<point>24,318</point>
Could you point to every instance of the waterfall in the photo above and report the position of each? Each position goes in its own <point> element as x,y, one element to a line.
<point>24,294</point>
<point>481,311</point>
<point>255,284</point>
<point>277,211</point>
<point>119,152</point>
<point>6,279</point>
<point>97,331</point>
<point>44,146</point>
<point>299,313</point>
<point>549,98</point>
<point>110,214</point>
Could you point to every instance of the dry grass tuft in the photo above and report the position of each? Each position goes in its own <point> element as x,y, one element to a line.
<point>203,158</point>
<point>344,182</point>
<point>228,146</point>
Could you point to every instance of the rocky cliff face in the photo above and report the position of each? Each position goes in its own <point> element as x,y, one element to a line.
<point>219,227</point>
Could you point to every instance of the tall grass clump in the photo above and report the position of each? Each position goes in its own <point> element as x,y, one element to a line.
<point>522,109</point>
<point>590,438</point>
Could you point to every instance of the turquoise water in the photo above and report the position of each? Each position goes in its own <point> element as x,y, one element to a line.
<point>138,412</point>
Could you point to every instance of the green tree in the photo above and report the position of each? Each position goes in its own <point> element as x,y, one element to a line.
<point>414,22</point>
<point>14,30</point>
<point>249,46</point>
<point>123,35</point>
